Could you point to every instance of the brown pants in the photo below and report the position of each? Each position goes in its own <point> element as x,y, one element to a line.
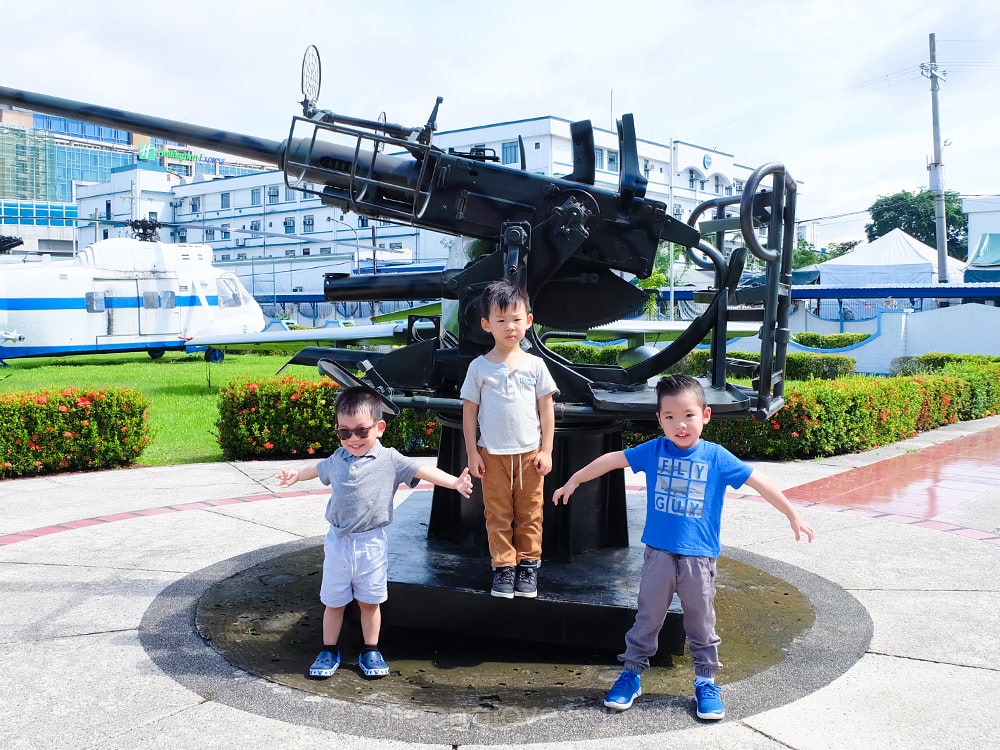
<point>512,504</point>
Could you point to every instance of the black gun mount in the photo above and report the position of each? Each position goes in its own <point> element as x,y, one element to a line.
<point>565,239</point>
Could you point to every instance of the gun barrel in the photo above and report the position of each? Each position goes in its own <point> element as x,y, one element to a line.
<point>237,144</point>
<point>401,286</point>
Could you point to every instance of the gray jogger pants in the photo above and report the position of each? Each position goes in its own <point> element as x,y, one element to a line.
<point>693,579</point>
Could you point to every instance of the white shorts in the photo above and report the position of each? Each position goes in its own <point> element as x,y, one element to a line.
<point>355,567</point>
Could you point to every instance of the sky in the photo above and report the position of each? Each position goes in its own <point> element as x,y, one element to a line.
<point>833,90</point>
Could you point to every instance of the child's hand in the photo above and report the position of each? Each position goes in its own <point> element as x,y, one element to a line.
<point>564,493</point>
<point>543,463</point>
<point>801,527</point>
<point>477,467</point>
<point>287,477</point>
<point>464,484</point>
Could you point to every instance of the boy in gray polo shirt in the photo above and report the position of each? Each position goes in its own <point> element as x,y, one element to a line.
<point>364,476</point>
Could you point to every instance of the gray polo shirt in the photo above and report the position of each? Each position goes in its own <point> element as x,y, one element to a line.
<point>508,402</point>
<point>364,486</point>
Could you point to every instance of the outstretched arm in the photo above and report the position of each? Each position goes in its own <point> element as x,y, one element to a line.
<point>596,468</point>
<point>288,477</point>
<point>770,492</point>
<point>461,484</point>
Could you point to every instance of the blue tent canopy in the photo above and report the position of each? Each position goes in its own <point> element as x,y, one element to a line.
<point>984,261</point>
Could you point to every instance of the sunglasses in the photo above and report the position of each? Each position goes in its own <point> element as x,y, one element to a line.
<point>358,432</point>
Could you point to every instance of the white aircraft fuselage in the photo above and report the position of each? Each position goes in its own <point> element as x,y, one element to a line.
<point>120,295</point>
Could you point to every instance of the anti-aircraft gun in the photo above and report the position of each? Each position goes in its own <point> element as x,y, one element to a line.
<point>569,242</point>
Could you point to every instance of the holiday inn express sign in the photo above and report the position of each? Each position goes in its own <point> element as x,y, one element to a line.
<point>149,152</point>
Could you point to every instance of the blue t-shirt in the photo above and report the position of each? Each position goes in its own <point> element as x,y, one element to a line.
<point>685,490</point>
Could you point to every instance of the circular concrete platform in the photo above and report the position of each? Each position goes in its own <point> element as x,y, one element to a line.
<point>785,633</point>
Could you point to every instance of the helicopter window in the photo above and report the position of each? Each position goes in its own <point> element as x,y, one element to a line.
<point>168,299</point>
<point>229,294</point>
<point>95,302</point>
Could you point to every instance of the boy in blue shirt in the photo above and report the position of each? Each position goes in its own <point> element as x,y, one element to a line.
<point>364,475</point>
<point>686,480</point>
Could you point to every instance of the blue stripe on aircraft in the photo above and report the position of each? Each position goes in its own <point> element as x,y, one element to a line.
<point>79,303</point>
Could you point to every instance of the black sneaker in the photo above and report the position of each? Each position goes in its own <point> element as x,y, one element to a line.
<point>526,583</point>
<point>503,583</point>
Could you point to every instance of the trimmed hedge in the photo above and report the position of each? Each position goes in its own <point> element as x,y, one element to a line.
<point>829,340</point>
<point>44,432</point>
<point>290,418</point>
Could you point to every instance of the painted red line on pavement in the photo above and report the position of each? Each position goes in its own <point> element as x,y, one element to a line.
<point>15,538</point>
<point>155,511</point>
<point>82,523</point>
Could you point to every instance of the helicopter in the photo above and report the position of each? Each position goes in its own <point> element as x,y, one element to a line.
<point>140,294</point>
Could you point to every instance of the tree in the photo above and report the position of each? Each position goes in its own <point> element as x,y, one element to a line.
<point>914,214</point>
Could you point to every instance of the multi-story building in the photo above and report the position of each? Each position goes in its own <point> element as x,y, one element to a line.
<point>45,159</point>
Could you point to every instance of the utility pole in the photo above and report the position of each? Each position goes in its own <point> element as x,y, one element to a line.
<point>930,70</point>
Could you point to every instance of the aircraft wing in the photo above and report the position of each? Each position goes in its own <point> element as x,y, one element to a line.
<point>641,331</point>
<point>366,334</point>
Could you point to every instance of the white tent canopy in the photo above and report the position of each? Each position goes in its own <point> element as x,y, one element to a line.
<point>895,258</point>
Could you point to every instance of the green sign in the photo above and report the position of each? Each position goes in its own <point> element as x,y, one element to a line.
<point>148,152</point>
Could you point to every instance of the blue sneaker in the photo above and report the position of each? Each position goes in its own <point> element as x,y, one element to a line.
<point>625,690</point>
<point>325,665</point>
<point>709,697</point>
<point>372,664</point>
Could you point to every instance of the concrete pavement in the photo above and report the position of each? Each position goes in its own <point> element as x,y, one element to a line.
<point>93,565</point>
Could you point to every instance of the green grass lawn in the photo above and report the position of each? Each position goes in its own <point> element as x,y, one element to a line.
<point>183,391</point>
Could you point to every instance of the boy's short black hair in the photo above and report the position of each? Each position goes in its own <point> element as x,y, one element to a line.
<point>359,400</point>
<point>503,295</point>
<point>674,385</point>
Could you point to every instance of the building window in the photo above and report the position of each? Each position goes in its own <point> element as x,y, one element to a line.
<point>209,235</point>
<point>255,197</point>
<point>272,194</point>
<point>384,223</point>
<point>290,225</point>
<point>362,221</point>
<point>599,158</point>
<point>225,231</point>
<point>224,256</point>
<point>326,251</point>
<point>195,204</point>
<point>307,223</point>
<point>739,187</point>
<point>718,185</point>
<point>612,161</point>
<point>691,178</point>
<point>537,145</point>
<point>224,200</point>
<point>107,210</point>
<point>289,194</point>
<point>290,253</point>
<point>508,153</point>
<point>182,235</point>
<point>153,216</point>
<point>255,225</point>
<point>241,256</point>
